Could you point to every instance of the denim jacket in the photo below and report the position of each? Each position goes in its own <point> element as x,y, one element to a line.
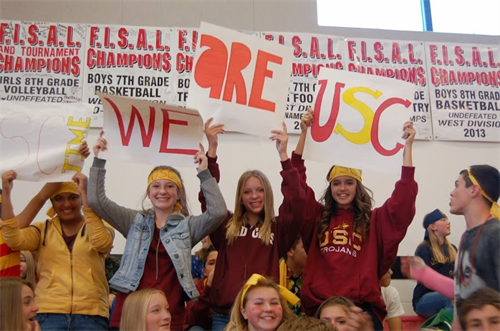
<point>178,236</point>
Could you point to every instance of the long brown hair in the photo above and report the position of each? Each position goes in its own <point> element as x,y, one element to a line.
<point>362,206</point>
<point>239,219</point>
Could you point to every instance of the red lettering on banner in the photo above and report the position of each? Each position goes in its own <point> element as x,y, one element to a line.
<point>491,59</point>
<point>363,51</point>
<point>234,78</point>
<point>32,32</point>
<point>122,36</point>
<point>314,53</point>
<point>433,53</point>
<point>158,45</point>
<point>476,57</point>
<point>460,59</point>
<point>3,27</point>
<point>147,133</point>
<point>375,127</point>
<point>351,44</point>
<point>396,53</point>
<point>261,72</point>
<point>445,55</point>
<point>142,42</point>
<point>322,133</point>
<point>377,48</point>
<point>69,37</point>
<point>52,36</point>
<point>211,65</point>
<point>93,35</point>
<point>164,137</point>
<point>331,54</point>
<point>297,49</point>
<point>411,56</point>
<point>211,72</point>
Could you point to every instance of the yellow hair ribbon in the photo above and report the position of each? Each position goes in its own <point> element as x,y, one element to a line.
<point>495,208</point>
<point>339,171</point>
<point>254,280</point>
<point>170,175</point>
<point>66,187</point>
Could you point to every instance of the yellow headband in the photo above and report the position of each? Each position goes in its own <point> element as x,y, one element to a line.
<point>254,280</point>
<point>338,171</point>
<point>170,175</point>
<point>66,187</point>
<point>495,208</point>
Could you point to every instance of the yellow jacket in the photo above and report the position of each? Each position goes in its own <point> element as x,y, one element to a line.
<point>69,282</point>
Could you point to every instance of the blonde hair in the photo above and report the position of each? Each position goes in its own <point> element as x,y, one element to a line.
<point>135,309</point>
<point>181,192</point>
<point>238,323</point>
<point>30,267</point>
<point>437,250</point>
<point>11,303</point>
<point>239,219</point>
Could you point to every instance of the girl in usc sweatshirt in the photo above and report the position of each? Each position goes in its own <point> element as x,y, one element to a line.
<point>252,240</point>
<point>349,245</point>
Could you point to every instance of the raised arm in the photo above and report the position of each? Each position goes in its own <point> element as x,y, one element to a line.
<point>216,210</point>
<point>100,236</point>
<point>291,210</point>
<point>409,136</point>
<point>118,216</point>
<point>16,239</point>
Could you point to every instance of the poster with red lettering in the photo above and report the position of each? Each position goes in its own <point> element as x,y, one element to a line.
<point>399,60</point>
<point>129,61</point>
<point>464,91</point>
<point>241,80</point>
<point>41,62</point>
<point>358,121</point>
<point>183,49</point>
<point>147,132</point>
<point>41,140</point>
<point>311,52</point>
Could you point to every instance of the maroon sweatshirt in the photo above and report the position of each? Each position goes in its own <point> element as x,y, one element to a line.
<point>248,254</point>
<point>341,264</point>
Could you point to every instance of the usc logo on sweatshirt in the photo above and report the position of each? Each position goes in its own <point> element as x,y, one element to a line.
<point>340,239</point>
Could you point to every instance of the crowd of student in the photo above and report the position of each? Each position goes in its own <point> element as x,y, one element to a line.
<point>327,258</point>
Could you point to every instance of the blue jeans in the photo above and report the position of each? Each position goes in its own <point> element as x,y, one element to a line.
<point>71,322</point>
<point>431,303</point>
<point>219,321</point>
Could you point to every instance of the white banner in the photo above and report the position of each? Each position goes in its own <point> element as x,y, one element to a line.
<point>146,132</point>
<point>240,80</point>
<point>311,52</point>
<point>358,121</point>
<point>41,141</point>
<point>400,60</point>
<point>127,61</point>
<point>41,62</point>
<point>465,91</point>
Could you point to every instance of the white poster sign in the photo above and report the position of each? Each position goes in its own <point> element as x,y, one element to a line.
<point>240,80</point>
<point>41,141</point>
<point>400,60</point>
<point>358,121</point>
<point>146,132</point>
<point>465,91</point>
